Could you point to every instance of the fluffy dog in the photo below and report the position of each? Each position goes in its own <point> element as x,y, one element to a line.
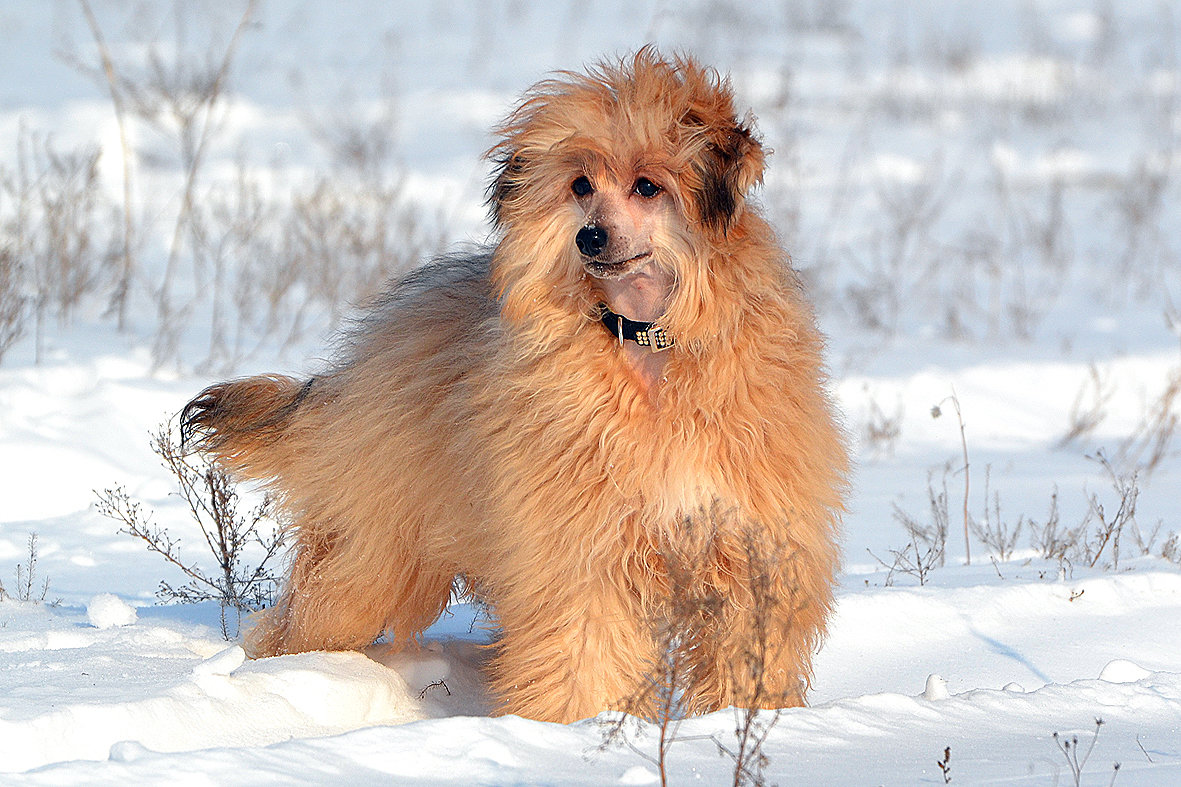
<point>554,420</point>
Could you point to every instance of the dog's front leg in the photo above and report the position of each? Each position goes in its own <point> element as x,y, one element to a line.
<point>572,656</point>
<point>755,650</point>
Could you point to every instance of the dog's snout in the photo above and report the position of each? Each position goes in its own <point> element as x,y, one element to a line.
<point>591,240</point>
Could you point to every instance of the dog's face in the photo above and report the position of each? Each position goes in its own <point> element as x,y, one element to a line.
<point>625,218</point>
<point>601,174</point>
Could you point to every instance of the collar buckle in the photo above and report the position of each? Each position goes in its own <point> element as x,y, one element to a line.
<point>642,333</point>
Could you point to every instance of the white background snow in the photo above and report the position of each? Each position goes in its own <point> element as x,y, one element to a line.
<point>984,197</point>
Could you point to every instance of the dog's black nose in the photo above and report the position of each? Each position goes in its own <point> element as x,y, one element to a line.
<point>591,240</point>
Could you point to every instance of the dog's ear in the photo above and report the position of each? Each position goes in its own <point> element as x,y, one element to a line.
<point>731,164</point>
<point>506,182</point>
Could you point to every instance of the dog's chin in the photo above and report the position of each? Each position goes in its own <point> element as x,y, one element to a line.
<point>617,270</point>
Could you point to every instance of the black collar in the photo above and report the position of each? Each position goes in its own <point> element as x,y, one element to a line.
<point>642,333</point>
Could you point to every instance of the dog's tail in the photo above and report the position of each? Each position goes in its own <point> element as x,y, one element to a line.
<point>240,422</point>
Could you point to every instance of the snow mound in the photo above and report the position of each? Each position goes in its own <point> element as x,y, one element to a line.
<point>157,688</point>
<point>639,774</point>
<point>1123,671</point>
<point>936,688</point>
<point>106,610</point>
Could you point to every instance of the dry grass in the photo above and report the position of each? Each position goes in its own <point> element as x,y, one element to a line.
<point>926,547</point>
<point>50,213</point>
<point>956,239</point>
<point>241,267</point>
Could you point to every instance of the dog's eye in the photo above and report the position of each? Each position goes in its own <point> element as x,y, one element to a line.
<point>646,188</point>
<point>581,186</point>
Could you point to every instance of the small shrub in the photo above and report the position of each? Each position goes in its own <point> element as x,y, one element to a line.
<point>12,301</point>
<point>696,612</point>
<point>1171,551</point>
<point>26,577</point>
<point>1052,540</point>
<point>1090,406</point>
<point>881,430</point>
<point>51,241</point>
<point>994,532</point>
<point>1109,528</point>
<point>1151,442</point>
<point>936,412</point>
<point>928,543</point>
<point>213,502</point>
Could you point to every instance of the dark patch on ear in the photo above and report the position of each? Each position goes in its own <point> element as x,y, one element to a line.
<point>717,199</point>
<point>731,164</point>
<point>505,183</point>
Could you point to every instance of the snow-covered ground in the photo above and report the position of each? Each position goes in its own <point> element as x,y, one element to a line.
<point>984,198</point>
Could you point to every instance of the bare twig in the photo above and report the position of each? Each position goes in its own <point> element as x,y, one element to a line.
<point>935,413</point>
<point>212,502</point>
<point>127,263</point>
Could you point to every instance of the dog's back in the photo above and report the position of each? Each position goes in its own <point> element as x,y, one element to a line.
<point>419,338</point>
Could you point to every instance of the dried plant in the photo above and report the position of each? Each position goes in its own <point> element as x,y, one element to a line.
<point>1051,539</point>
<point>994,532</point>
<point>212,500</point>
<point>927,547</point>
<point>12,300</point>
<point>26,577</point>
<point>936,412</point>
<point>1074,762</point>
<point>1152,439</point>
<point>127,262</point>
<point>1171,549</point>
<point>882,431</point>
<point>50,242</point>
<point>696,615</point>
<point>1101,531</point>
<point>1109,527</point>
<point>945,765</point>
<point>1090,406</point>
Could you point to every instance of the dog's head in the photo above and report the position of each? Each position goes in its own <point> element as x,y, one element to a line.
<point>633,162</point>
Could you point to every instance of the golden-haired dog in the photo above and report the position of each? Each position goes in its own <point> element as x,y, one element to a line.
<point>630,375</point>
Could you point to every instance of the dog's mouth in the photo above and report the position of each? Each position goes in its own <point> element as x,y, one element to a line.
<point>614,270</point>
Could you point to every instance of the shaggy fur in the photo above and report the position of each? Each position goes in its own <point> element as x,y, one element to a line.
<point>482,423</point>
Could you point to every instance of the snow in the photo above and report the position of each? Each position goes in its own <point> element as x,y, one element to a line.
<point>1042,281</point>
<point>107,610</point>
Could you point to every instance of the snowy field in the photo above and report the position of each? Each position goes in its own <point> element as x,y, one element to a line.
<point>983,197</point>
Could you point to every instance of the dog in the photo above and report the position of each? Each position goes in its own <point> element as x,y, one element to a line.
<point>547,420</point>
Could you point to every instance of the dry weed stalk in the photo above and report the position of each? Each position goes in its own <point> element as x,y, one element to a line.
<point>1149,444</point>
<point>993,532</point>
<point>1090,406</point>
<point>1110,528</point>
<point>1100,532</point>
<point>1051,540</point>
<point>936,412</point>
<point>882,431</point>
<point>126,256</point>
<point>1171,549</point>
<point>26,574</point>
<point>50,241</point>
<point>1075,763</point>
<point>212,501</point>
<point>928,543</point>
<point>12,300</point>
<point>945,765</point>
<point>697,616</point>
